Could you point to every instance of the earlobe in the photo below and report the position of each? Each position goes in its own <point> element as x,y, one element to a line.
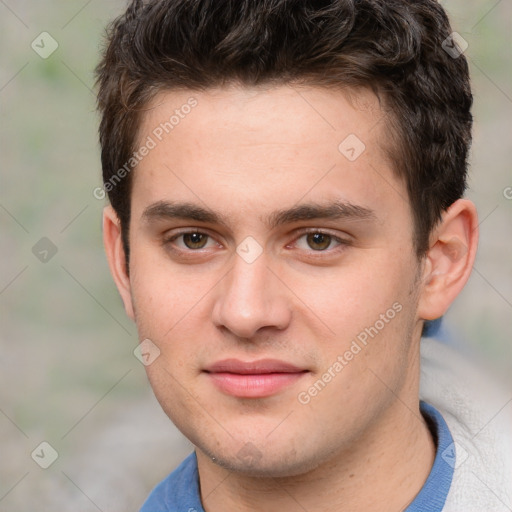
<point>449,260</point>
<point>116,257</point>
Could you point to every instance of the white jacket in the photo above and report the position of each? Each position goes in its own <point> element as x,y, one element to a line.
<point>478,412</point>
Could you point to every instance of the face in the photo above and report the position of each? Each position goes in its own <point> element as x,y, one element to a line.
<point>272,267</point>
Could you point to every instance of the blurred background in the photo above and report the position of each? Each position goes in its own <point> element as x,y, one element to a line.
<point>68,375</point>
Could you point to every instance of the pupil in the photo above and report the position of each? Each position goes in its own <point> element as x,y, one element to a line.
<point>320,240</point>
<point>194,240</point>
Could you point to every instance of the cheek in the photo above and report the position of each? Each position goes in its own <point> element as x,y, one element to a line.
<point>353,296</point>
<point>163,295</point>
<point>370,314</point>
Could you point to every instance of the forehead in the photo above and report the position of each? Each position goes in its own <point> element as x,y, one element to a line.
<point>306,113</point>
<point>260,147</point>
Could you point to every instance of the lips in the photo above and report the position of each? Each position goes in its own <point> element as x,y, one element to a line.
<point>253,379</point>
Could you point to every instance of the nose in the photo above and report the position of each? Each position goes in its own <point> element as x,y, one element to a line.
<point>251,298</point>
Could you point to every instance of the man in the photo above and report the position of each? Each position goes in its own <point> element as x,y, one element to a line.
<point>286,183</point>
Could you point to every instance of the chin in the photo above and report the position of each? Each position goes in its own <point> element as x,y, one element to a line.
<point>264,463</point>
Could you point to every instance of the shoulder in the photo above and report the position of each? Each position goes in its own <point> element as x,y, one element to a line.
<point>179,491</point>
<point>478,412</point>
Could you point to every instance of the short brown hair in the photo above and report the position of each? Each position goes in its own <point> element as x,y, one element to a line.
<point>394,47</point>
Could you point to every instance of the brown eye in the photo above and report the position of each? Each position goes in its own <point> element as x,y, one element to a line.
<point>318,241</point>
<point>194,240</point>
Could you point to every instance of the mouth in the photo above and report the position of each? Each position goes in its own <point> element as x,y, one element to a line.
<point>253,379</point>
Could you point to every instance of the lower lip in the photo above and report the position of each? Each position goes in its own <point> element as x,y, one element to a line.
<point>254,385</point>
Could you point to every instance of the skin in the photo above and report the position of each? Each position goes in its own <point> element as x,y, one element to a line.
<point>244,153</point>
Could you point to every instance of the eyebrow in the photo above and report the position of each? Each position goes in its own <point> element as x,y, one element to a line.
<point>165,210</point>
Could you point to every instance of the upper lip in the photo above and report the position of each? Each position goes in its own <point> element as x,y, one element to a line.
<point>253,367</point>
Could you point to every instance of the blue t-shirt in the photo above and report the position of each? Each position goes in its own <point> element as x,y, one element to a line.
<point>179,492</point>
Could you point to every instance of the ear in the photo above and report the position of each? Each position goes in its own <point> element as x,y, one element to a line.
<point>116,257</point>
<point>449,260</point>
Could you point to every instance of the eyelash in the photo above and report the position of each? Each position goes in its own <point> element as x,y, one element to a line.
<point>342,243</point>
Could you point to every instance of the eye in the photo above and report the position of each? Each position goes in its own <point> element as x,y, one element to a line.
<point>192,240</point>
<point>319,241</point>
